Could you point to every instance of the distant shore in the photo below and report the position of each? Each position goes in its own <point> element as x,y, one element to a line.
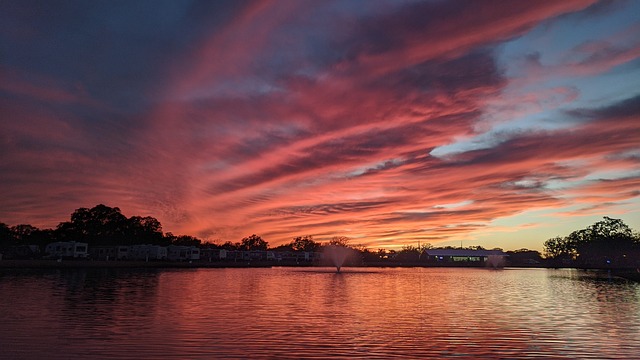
<point>67,264</point>
<point>630,274</point>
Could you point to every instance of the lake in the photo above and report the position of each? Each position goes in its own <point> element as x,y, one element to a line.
<point>306,313</point>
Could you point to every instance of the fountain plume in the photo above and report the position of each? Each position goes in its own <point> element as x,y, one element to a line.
<point>337,255</point>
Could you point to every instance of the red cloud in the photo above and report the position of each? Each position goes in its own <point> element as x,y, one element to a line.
<point>476,24</point>
<point>341,148</point>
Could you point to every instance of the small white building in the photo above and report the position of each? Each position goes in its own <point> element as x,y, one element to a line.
<point>195,253</point>
<point>491,258</point>
<point>102,252</point>
<point>183,253</point>
<point>213,254</point>
<point>110,252</point>
<point>67,249</point>
<point>147,252</point>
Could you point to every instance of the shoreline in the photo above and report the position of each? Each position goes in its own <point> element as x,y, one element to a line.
<point>78,264</point>
<point>627,273</point>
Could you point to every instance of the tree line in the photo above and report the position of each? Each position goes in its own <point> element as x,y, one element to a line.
<point>607,243</point>
<point>107,226</point>
<point>100,225</point>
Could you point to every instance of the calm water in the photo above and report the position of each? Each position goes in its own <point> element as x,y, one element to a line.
<point>315,313</point>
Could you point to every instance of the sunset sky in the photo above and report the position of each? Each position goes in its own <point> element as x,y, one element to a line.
<point>494,123</point>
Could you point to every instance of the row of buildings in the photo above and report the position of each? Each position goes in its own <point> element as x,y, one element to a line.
<point>146,252</point>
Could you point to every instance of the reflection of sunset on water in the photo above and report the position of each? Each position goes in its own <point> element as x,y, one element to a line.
<point>318,313</point>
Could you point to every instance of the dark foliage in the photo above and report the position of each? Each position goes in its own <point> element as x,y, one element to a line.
<point>607,243</point>
<point>100,225</point>
<point>253,242</point>
<point>304,243</point>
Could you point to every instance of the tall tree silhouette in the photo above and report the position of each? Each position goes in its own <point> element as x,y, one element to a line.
<point>254,242</point>
<point>100,225</point>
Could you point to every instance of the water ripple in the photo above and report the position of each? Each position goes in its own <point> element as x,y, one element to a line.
<point>290,313</point>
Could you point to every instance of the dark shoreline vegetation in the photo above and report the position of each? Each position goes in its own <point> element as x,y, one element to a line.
<point>608,244</point>
<point>28,265</point>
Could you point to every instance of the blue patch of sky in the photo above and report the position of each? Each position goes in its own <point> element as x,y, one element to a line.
<point>505,130</point>
<point>554,40</point>
<point>611,174</point>
<point>619,84</point>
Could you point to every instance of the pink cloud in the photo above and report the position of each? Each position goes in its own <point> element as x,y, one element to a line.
<point>343,149</point>
<point>476,25</point>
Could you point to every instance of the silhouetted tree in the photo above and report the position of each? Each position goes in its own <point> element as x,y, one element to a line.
<point>5,235</point>
<point>228,245</point>
<point>359,247</point>
<point>525,257</point>
<point>609,242</point>
<point>100,225</point>
<point>408,253</point>
<point>22,233</point>
<point>369,256</point>
<point>339,241</point>
<point>146,230</point>
<point>67,231</point>
<point>186,240</point>
<point>169,238</point>
<point>304,243</point>
<point>211,244</point>
<point>254,242</point>
<point>42,237</point>
<point>559,248</point>
<point>16,241</point>
<point>283,247</point>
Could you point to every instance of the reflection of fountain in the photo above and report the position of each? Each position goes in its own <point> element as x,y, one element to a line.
<point>495,261</point>
<point>336,255</point>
